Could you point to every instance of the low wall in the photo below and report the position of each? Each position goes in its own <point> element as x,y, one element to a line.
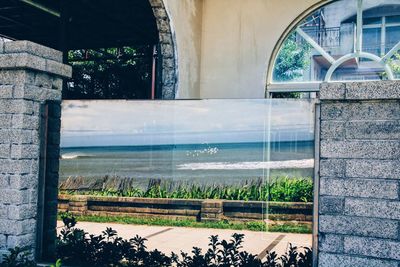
<point>200,210</point>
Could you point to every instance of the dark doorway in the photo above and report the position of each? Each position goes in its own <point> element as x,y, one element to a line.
<point>112,45</point>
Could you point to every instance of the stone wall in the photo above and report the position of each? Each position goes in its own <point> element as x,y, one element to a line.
<point>201,210</point>
<point>359,206</point>
<point>30,75</point>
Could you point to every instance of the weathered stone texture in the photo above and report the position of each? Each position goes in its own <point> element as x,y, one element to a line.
<point>359,204</point>
<point>30,75</point>
<point>340,260</point>
<point>167,47</point>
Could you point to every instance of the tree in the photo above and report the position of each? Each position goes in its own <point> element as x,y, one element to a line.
<point>292,61</point>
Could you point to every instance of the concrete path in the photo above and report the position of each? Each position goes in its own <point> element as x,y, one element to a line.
<point>167,239</point>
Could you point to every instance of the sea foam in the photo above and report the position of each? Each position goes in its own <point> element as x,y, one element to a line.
<point>289,164</point>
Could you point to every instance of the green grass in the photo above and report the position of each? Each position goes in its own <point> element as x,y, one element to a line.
<point>282,189</point>
<point>251,226</point>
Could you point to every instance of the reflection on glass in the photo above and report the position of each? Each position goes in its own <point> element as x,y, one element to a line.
<point>333,29</point>
<point>208,141</point>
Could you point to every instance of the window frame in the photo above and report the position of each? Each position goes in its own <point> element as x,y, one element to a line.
<point>358,53</point>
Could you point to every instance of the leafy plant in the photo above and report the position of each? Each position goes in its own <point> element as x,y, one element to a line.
<point>18,257</point>
<point>75,247</point>
<point>283,189</point>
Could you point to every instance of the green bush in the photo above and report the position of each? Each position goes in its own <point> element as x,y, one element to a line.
<point>279,189</point>
<point>77,248</point>
<point>18,257</point>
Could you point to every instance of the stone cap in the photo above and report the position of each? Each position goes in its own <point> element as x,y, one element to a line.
<point>367,90</point>
<point>29,55</point>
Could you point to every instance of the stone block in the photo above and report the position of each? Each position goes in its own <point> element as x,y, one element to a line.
<point>5,120</point>
<point>4,151</point>
<point>160,13</point>
<point>23,121</point>
<point>32,48</point>
<point>18,166</point>
<point>364,188</point>
<point>372,247</point>
<point>32,92</point>
<point>373,90</point>
<point>21,182</point>
<point>332,91</point>
<point>43,80</point>
<point>17,76</point>
<point>339,260</point>
<point>360,149</point>
<point>380,169</point>
<point>3,211</point>
<point>373,208</point>
<point>331,205</point>
<point>13,227</point>
<point>349,225</point>
<point>17,106</point>
<point>373,130</point>
<point>4,181</point>
<point>6,91</point>
<point>331,243</point>
<point>14,197</point>
<point>15,136</point>
<point>25,151</point>
<point>368,111</point>
<point>333,130</point>
<point>22,212</point>
<point>26,240</point>
<point>58,69</point>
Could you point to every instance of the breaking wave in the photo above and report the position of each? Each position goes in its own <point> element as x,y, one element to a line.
<point>74,156</point>
<point>289,164</point>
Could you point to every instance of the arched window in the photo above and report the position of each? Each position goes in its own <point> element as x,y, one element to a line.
<point>344,40</point>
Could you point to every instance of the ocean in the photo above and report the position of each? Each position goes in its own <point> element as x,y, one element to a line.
<point>222,163</point>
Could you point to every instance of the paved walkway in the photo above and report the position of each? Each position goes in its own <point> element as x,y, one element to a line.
<point>167,239</point>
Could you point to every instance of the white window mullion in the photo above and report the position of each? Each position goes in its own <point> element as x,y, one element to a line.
<point>383,37</point>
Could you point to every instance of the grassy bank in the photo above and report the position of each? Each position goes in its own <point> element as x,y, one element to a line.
<point>280,189</point>
<point>251,226</point>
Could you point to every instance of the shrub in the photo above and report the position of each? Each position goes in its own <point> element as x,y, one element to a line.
<point>18,257</point>
<point>75,247</point>
<point>279,189</point>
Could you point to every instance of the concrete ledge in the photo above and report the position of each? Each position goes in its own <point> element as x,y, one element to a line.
<point>29,55</point>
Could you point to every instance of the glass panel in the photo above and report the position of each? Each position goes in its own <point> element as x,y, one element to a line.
<point>369,21</point>
<point>333,28</point>
<point>236,154</point>
<point>392,37</point>
<point>393,19</point>
<point>372,40</point>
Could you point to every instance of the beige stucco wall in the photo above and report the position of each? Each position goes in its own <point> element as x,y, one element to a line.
<point>186,18</point>
<point>237,42</point>
<point>224,46</point>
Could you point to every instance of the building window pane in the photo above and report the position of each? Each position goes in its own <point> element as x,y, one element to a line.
<point>329,34</point>
<point>372,40</point>
<point>393,19</point>
<point>392,37</point>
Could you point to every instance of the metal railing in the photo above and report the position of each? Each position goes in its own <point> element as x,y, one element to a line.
<point>326,37</point>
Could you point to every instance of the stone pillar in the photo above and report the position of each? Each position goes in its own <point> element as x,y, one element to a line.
<point>30,75</point>
<point>211,210</point>
<point>359,206</point>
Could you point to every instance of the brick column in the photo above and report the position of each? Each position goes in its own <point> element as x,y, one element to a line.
<point>359,206</point>
<point>30,75</point>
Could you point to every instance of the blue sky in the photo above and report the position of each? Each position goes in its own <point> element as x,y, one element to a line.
<point>121,123</point>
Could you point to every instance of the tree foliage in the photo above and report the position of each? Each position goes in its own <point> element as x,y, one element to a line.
<point>292,61</point>
<point>110,73</point>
